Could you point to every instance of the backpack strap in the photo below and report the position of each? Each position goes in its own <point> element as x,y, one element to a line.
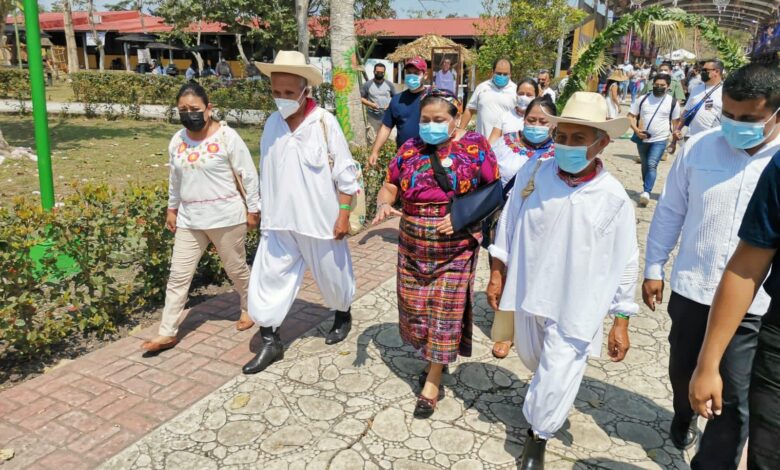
<point>324,127</point>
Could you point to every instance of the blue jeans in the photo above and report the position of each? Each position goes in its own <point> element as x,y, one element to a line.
<point>650,153</point>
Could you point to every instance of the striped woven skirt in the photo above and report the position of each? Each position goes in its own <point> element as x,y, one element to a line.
<point>435,284</point>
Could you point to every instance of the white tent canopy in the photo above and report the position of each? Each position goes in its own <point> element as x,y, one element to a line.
<point>680,54</point>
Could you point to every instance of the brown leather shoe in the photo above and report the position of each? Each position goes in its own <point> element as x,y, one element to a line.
<point>501,349</point>
<point>152,347</point>
<point>243,324</point>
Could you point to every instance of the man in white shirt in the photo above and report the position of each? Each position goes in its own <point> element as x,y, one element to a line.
<point>491,99</point>
<point>652,118</point>
<point>307,179</point>
<point>703,108</point>
<point>568,224</point>
<point>544,85</point>
<point>703,203</point>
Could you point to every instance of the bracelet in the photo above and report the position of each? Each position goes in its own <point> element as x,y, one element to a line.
<point>622,316</point>
<point>345,207</point>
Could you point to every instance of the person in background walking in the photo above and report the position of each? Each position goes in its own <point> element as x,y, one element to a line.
<point>491,99</point>
<point>192,71</point>
<point>703,107</point>
<point>657,114</point>
<point>675,89</point>
<point>545,82</point>
<point>705,198</point>
<point>628,70</point>
<point>307,180</point>
<point>446,78</point>
<point>376,95</point>
<point>613,93</point>
<point>436,266</point>
<point>212,197</point>
<point>564,81</point>
<point>513,121</point>
<point>568,223</point>
<point>757,252</point>
<point>403,113</point>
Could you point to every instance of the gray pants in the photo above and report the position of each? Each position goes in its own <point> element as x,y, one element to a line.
<point>374,121</point>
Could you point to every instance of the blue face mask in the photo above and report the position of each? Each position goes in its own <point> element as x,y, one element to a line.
<point>572,159</point>
<point>434,133</point>
<point>536,134</point>
<point>413,82</point>
<point>501,80</point>
<point>744,135</point>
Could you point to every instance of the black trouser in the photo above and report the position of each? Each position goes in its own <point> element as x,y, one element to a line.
<point>724,437</point>
<point>764,448</point>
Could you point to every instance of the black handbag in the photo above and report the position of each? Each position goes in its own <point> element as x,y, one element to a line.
<point>472,208</point>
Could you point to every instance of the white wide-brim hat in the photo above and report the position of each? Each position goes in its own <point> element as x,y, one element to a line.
<point>590,109</point>
<point>292,62</point>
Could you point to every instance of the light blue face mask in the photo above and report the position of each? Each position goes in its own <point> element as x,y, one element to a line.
<point>501,80</point>
<point>434,133</point>
<point>572,159</point>
<point>536,134</point>
<point>412,81</point>
<point>744,135</point>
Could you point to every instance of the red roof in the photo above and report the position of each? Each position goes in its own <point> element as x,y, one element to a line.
<point>130,22</point>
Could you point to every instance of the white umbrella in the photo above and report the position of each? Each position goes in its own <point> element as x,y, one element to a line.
<point>682,54</point>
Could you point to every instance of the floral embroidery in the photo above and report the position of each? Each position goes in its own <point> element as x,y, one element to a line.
<point>465,185</point>
<point>213,148</point>
<point>182,147</point>
<point>409,153</point>
<point>472,149</point>
<point>515,142</point>
<point>193,157</point>
<point>404,184</point>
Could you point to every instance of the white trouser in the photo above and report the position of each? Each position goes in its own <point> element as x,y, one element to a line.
<point>559,364</point>
<point>281,261</point>
<point>188,247</point>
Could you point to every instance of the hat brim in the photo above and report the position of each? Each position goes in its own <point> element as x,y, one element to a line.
<point>309,72</point>
<point>615,128</point>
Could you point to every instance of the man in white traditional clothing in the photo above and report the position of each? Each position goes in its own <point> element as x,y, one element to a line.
<point>307,179</point>
<point>568,225</point>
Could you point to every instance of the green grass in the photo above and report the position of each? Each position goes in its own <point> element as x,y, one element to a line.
<point>60,92</point>
<point>94,150</point>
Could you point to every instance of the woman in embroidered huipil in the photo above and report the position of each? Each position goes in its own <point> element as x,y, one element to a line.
<point>436,266</point>
<point>206,205</point>
<point>513,150</point>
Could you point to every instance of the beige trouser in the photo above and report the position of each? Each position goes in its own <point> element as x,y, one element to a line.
<point>188,247</point>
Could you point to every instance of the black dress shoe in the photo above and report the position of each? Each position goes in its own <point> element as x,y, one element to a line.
<point>341,326</point>
<point>425,407</point>
<point>271,352</point>
<point>683,433</point>
<point>424,375</point>
<point>533,453</point>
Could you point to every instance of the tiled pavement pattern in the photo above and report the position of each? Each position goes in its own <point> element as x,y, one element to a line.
<point>343,407</point>
<point>84,412</point>
<point>349,406</point>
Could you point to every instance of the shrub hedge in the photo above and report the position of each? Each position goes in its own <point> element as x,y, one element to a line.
<point>14,83</point>
<point>119,243</point>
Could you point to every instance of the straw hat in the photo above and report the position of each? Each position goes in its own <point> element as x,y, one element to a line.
<point>618,76</point>
<point>292,62</point>
<point>590,109</point>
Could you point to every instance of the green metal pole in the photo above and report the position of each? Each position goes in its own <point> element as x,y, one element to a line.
<point>35,62</point>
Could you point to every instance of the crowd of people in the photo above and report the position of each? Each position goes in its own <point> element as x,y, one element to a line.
<point>557,218</point>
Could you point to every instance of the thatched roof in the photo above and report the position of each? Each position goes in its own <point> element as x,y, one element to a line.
<point>422,47</point>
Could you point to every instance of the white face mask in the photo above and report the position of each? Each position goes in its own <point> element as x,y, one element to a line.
<point>288,107</point>
<point>523,102</point>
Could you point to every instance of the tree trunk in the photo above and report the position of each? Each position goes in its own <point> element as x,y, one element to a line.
<point>139,5</point>
<point>70,38</point>
<point>302,20</point>
<point>95,36</point>
<point>349,109</point>
<point>197,55</point>
<point>241,49</point>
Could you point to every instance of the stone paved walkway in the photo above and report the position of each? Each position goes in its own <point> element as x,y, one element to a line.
<point>342,407</point>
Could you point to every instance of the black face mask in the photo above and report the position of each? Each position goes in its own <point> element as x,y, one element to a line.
<point>193,121</point>
<point>659,91</point>
<point>379,76</point>
<point>705,76</point>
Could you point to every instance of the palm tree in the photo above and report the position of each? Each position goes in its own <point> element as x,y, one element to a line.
<point>70,37</point>
<point>345,84</point>
<point>302,20</point>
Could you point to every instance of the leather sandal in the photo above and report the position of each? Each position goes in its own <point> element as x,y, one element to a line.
<point>244,323</point>
<point>152,347</point>
<point>501,349</point>
<point>425,407</point>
